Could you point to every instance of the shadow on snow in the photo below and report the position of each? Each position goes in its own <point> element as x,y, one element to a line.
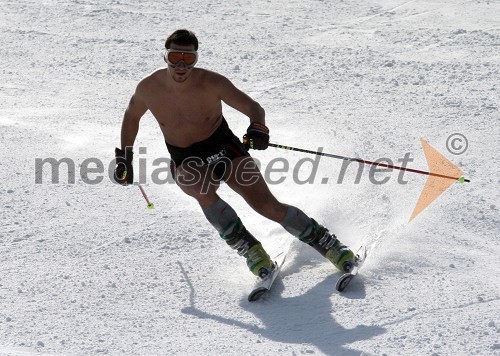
<point>302,319</point>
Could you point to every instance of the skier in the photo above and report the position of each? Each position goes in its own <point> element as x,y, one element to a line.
<point>187,103</point>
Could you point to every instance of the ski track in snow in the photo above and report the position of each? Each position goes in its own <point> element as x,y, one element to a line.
<point>87,270</point>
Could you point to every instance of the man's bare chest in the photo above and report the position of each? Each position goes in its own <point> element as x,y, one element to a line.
<point>194,106</point>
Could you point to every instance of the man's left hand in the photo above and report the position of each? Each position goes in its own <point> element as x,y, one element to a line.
<point>257,136</point>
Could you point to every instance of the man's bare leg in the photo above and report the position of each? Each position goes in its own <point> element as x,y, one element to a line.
<point>246,179</point>
<point>202,185</point>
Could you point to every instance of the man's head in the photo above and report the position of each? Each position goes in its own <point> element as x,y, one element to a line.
<point>180,54</point>
<point>182,38</point>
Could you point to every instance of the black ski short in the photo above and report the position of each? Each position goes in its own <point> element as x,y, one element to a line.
<point>217,151</point>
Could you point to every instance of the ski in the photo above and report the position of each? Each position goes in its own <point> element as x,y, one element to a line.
<point>264,285</point>
<point>346,278</point>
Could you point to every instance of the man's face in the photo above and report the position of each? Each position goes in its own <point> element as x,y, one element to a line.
<point>181,71</point>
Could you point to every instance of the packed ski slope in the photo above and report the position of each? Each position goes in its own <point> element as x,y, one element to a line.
<point>86,269</point>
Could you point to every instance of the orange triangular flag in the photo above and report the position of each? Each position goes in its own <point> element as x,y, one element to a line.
<point>435,186</point>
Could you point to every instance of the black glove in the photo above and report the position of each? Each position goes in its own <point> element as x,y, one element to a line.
<point>124,172</point>
<point>257,136</point>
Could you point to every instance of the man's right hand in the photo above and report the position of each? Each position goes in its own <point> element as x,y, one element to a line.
<point>124,172</point>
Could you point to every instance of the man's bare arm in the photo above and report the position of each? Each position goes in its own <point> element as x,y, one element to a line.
<point>240,101</point>
<point>133,114</point>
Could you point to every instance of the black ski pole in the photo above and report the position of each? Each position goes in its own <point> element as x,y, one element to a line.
<point>363,161</point>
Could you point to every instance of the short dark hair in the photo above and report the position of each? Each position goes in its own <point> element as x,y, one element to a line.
<point>182,37</point>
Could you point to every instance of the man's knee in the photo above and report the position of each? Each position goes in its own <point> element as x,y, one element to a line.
<point>204,198</point>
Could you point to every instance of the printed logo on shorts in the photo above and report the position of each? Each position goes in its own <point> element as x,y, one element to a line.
<point>216,157</point>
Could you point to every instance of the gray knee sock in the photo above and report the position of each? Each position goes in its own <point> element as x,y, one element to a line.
<point>296,222</point>
<point>229,226</point>
<point>220,215</point>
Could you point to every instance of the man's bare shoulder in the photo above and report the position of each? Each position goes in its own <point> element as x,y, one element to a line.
<point>216,81</point>
<point>149,82</point>
<point>152,77</point>
<point>211,75</point>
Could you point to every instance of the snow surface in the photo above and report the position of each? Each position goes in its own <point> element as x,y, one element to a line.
<point>86,269</point>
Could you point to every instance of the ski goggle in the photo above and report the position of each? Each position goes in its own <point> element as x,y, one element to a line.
<point>174,57</point>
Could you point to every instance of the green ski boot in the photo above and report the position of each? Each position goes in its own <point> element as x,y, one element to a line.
<point>329,246</point>
<point>258,261</point>
<point>239,239</point>
<point>341,256</point>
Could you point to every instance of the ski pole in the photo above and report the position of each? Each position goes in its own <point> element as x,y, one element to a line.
<point>150,205</point>
<point>359,160</point>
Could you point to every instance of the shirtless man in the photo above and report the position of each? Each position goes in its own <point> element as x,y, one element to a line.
<point>187,103</point>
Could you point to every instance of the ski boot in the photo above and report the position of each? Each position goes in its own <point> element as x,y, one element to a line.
<point>258,261</point>
<point>330,247</point>
<point>239,239</point>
